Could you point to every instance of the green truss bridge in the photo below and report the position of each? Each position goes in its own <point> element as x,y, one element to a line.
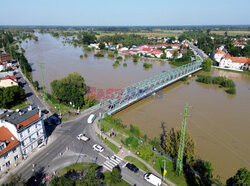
<point>147,87</point>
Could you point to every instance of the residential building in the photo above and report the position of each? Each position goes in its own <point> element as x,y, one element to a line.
<point>157,53</point>
<point>27,126</point>
<point>4,59</point>
<point>240,44</point>
<point>10,151</point>
<point>8,81</point>
<point>218,55</point>
<point>235,63</point>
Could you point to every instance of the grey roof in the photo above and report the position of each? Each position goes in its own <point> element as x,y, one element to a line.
<point>22,115</point>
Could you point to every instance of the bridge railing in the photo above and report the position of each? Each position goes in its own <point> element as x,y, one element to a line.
<point>148,86</point>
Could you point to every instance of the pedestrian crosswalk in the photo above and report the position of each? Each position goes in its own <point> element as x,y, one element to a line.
<point>112,162</point>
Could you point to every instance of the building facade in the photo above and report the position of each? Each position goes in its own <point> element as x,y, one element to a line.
<point>8,81</point>
<point>27,126</point>
<point>10,151</point>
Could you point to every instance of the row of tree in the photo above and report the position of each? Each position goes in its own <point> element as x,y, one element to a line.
<point>11,96</point>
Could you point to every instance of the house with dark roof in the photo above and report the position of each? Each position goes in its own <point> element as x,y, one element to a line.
<point>10,151</point>
<point>27,126</point>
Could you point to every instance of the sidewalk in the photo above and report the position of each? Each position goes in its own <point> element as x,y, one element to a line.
<point>124,152</point>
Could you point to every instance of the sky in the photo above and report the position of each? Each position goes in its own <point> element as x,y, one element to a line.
<point>124,12</point>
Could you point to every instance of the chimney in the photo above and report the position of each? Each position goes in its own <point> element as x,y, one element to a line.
<point>30,108</point>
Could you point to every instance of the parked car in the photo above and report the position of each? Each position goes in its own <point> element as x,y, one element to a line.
<point>132,167</point>
<point>91,118</point>
<point>152,179</point>
<point>55,120</point>
<point>82,137</point>
<point>45,111</point>
<point>98,148</point>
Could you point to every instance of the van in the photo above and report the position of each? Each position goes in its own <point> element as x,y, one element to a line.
<point>152,179</point>
<point>91,118</point>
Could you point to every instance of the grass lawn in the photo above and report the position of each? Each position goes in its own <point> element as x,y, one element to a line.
<point>159,166</point>
<point>107,180</point>
<point>112,146</point>
<point>19,106</point>
<point>138,163</point>
<point>178,64</point>
<point>108,126</point>
<point>79,167</point>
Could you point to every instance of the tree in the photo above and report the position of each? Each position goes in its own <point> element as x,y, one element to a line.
<point>205,168</point>
<point>242,177</point>
<point>101,45</point>
<point>172,141</point>
<point>70,89</point>
<point>115,176</point>
<point>163,56</point>
<point>206,64</point>
<point>61,181</point>
<point>88,38</point>
<point>11,96</point>
<point>175,54</point>
<point>15,180</point>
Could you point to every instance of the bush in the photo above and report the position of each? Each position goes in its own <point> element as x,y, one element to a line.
<point>231,91</point>
<point>116,63</point>
<point>135,131</point>
<point>147,65</point>
<point>85,55</point>
<point>11,96</point>
<point>111,55</point>
<point>81,56</point>
<point>98,55</point>
<point>135,60</point>
<point>119,58</point>
<point>125,64</point>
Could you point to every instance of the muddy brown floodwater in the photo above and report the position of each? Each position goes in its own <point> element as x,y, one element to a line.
<point>219,123</point>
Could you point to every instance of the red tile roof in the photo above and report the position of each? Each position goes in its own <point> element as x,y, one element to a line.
<point>240,42</point>
<point>13,78</point>
<point>146,49</point>
<point>220,52</point>
<point>157,51</point>
<point>240,60</point>
<point>6,135</point>
<point>28,121</point>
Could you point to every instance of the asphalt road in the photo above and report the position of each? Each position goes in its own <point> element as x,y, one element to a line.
<point>198,51</point>
<point>56,155</point>
<point>30,96</point>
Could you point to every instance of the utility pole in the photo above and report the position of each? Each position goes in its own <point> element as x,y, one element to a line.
<point>44,87</point>
<point>164,170</point>
<point>179,164</point>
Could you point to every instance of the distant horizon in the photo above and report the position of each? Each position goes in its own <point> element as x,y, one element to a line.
<point>122,13</point>
<point>244,25</point>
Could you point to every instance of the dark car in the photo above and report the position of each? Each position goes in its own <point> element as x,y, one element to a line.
<point>44,111</point>
<point>132,167</point>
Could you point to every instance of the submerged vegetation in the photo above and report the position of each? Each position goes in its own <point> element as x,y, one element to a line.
<point>222,81</point>
<point>147,65</point>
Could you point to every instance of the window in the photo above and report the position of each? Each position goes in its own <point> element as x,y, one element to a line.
<point>36,126</point>
<point>30,139</point>
<point>37,133</point>
<point>21,135</point>
<point>2,147</point>
<point>16,157</point>
<point>24,151</point>
<point>6,155</point>
<point>28,130</point>
<point>7,163</point>
<point>32,147</point>
<point>14,150</point>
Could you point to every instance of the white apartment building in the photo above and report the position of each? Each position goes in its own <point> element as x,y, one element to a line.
<point>10,151</point>
<point>27,126</point>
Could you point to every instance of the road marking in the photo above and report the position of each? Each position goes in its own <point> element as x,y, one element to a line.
<point>124,165</point>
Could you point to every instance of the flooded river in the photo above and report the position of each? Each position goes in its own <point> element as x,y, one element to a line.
<point>219,123</point>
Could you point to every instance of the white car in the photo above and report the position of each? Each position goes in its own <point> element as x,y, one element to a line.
<point>91,118</point>
<point>98,148</point>
<point>82,137</point>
